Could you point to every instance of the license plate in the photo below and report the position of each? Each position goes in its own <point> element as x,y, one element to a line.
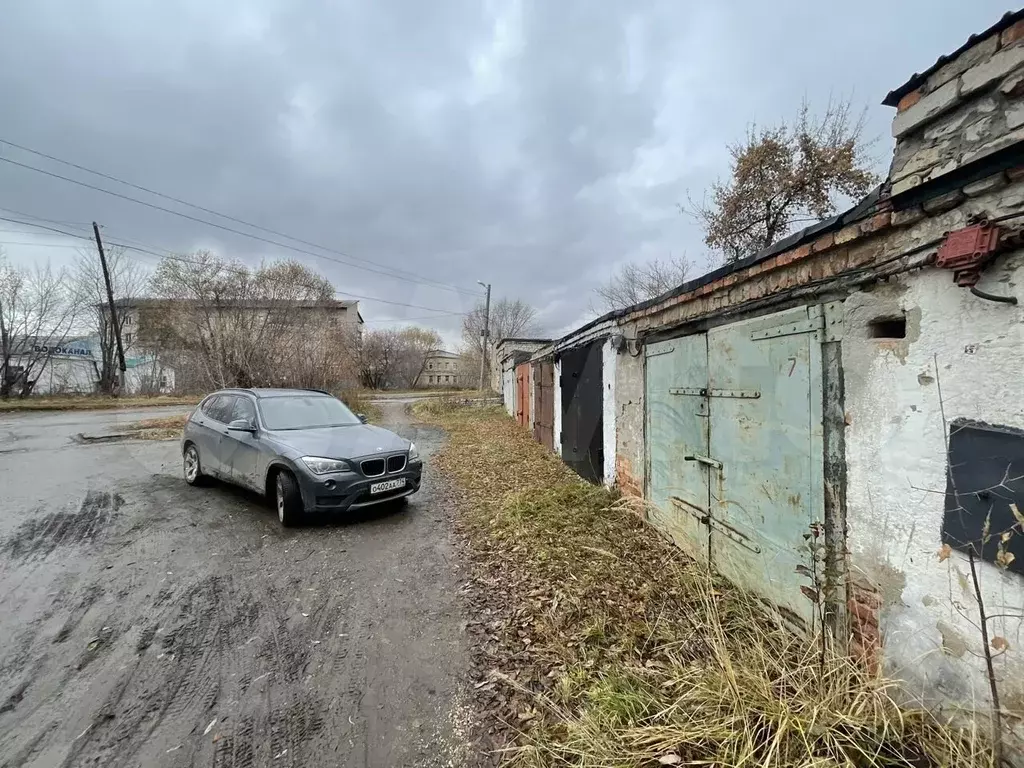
<point>388,485</point>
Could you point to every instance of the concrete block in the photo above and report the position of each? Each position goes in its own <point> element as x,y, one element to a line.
<point>943,203</point>
<point>904,184</point>
<point>986,73</point>
<point>969,58</point>
<point>942,170</point>
<point>946,126</point>
<point>993,146</point>
<point>1015,115</point>
<point>906,217</point>
<point>919,161</point>
<point>1013,86</point>
<point>929,107</point>
<point>979,130</point>
<point>982,186</point>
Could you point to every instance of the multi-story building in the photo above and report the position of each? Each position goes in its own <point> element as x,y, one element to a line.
<point>443,369</point>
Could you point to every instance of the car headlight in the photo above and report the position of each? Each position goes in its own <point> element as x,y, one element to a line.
<point>321,466</point>
<point>413,453</point>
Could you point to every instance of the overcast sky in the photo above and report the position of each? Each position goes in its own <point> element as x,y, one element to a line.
<point>532,145</point>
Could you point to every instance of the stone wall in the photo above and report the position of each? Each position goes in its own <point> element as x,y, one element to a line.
<point>969,108</point>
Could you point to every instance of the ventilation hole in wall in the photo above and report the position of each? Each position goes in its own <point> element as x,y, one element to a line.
<point>888,328</point>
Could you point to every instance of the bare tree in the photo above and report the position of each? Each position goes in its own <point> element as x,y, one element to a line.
<point>509,318</point>
<point>415,345</point>
<point>128,280</point>
<point>37,313</point>
<point>379,358</point>
<point>783,176</point>
<point>227,324</point>
<point>634,282</point>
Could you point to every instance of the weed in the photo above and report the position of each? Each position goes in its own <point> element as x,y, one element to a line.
<point>604,645</point>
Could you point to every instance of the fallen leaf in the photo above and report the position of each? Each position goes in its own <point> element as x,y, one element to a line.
<point>670,759</point>
<point>1000,643</point>
<point>945,552</point>
<point>1017,514</point>
<point>1004,558</point>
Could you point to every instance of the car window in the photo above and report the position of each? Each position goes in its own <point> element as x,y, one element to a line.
<point>243,410</point>
<point>305,412</point>
<point>211,404</point>
<point>220,407</point>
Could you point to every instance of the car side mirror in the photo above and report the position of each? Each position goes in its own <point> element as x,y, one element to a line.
<point>361,417</point>
<point>241,425</point>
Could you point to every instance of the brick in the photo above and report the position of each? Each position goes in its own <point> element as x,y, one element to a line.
<point>943,169</point>
<point>999,66</point>
<point>875,223</point>
<point>1012,34</point>
<point>824,242</point>
<point>943,203</point>
<point>846,234</point>
<point>1013,86</point>
<point>973,56</point>
<point>909,100</point>
<point>991,184</point>
<point>928,108</point>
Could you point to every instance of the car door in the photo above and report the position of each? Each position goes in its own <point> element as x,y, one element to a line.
<point>240,451</point>
<point>208,431</point>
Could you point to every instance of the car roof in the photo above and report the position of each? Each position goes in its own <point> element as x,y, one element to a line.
<point>262,392</point>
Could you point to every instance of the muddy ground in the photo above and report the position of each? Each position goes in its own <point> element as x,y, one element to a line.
<point>147,623</point>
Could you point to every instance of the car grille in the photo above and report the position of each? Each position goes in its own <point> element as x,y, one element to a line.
<point>372,467</point>
<point>396,463</point>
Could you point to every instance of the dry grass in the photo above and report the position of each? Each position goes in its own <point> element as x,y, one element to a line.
<point>92,402</point>
<point>598,644</point>
<point>164,428</point>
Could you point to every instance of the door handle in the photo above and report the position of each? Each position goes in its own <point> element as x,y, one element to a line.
<point>704,460</point>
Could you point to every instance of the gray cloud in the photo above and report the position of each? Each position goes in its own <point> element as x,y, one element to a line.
<point>534,145</point>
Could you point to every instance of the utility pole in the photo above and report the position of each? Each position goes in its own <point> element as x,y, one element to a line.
<point>113,309</point>
<point>486,333</point>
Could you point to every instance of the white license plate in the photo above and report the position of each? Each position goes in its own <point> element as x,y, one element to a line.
<point>388,485</point>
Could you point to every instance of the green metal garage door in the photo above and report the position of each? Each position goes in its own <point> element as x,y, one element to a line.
<point>734,428</point>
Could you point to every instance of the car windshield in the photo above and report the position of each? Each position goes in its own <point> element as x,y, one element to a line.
<point>305,412</point>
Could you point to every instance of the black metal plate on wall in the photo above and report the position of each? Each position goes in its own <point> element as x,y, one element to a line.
<point>984,476</point>
<point>583,411</point>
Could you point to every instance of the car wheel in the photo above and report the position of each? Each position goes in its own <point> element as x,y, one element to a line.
<point>288,498</point>
<point>193,466</point>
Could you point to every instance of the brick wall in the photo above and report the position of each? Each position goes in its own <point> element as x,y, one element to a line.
<point>626,480</point>
<point>863,607</point>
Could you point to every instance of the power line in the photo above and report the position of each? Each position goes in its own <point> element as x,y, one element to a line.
<point>224,267</point>
<point>397,273</point>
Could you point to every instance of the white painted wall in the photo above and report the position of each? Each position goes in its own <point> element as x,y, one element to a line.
<point>558,407</point>
<point>895,446</point>
<point>609,358</point>
<point>508,390</point>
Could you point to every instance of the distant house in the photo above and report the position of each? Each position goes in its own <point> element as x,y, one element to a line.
<point>445,370</point>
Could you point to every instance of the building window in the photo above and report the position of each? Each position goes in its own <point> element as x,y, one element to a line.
<point>445,379</point>
<point>430,379</point>
<point>430,366</point>
<point>127,338</point>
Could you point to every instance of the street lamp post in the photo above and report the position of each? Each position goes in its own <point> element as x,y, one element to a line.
<point>486,333</point>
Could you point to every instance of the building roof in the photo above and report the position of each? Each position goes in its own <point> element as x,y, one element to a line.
<point>918,78</point>
<point>442,353</point>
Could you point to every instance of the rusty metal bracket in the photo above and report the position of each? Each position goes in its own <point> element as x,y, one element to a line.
<point>691,509</point>
<point>750,394</point>
<point>731,533</point>
<point>704,460</point>
<point>790,329</point>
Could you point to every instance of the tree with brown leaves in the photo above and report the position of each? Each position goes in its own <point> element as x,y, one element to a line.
<point>784,176</point>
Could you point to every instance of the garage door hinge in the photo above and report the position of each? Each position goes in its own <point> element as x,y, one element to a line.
<point>751,394</point>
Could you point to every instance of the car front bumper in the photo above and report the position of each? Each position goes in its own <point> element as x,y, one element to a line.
<point>338,492</point>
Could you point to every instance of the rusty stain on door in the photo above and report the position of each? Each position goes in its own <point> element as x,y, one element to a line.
<point>747,489</point>
<point>523,394</point>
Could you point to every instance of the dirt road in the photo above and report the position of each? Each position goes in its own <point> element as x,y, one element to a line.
<point>147,623</point>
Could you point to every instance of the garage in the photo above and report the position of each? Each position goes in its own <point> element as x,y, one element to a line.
<point>734,425</point>
<point>582,393</point>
